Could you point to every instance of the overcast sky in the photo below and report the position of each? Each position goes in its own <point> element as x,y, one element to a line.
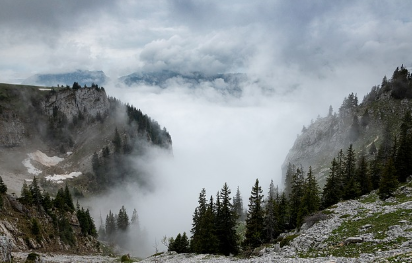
<point>310,53</point>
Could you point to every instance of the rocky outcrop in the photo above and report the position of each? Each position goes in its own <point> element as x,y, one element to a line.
<point>5,249</point>
<point>11,131</point>
<point>87,101</point>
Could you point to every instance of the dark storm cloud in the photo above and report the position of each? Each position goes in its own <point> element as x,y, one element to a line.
<point>49,13</point>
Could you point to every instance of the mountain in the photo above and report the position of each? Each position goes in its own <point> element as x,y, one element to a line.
<point>56,133</point>
<point>367,126</point>
<point>83,77</point>
<point>227,83</point>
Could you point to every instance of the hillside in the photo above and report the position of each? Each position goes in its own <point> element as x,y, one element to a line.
<point>364,125</point>
<point>53,133</point>
<point>363,230</point>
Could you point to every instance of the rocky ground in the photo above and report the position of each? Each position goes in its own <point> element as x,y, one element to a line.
<point>364,230</point>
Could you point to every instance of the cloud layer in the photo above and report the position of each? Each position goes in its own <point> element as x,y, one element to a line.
<point>310,55</point>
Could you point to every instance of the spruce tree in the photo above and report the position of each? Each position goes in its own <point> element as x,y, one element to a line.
<point>363,176</point>
<point>332,191</point>
<point>110,225</point>
<point>389,181</point>
<point>238,205</point>
<point>122,219</point>
<point>198,230</point>
<point>311,195</point>
<point>255,218</point>
<point>270,218</point>
<point>68,198</point>
<point>36,192</point>
<point>226,224</point>
<point>351,188</point>
<point>403,161</point>
<point>295,197</point>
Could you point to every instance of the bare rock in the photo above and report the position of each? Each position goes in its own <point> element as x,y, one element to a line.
<point>352,240</point>
<point>5,249</point>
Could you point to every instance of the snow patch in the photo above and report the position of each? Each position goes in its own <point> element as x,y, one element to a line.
<point>59,178</point>
<point>44,159</point>
<point>30,168</point>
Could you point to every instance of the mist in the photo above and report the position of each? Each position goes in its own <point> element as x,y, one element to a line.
<point>217,138</point>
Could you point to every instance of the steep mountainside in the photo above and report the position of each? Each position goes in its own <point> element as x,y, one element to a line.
<point>366,125</point>
<point>53,133</point>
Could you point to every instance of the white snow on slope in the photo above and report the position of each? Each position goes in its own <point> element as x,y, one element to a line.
<point>42,158</point>
<point>30,168</point>
<point>59,178</point>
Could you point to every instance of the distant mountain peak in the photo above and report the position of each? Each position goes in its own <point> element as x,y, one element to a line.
<point>83,77</point>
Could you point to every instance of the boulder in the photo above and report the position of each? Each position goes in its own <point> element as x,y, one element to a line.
<point>352,240</point>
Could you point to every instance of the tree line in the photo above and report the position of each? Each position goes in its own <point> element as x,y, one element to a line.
<point>218,224</point>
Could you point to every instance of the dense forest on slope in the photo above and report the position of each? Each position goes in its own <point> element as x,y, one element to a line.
<point>382,165</point>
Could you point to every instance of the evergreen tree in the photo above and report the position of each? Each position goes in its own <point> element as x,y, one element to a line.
<point>270,218</point>
<point>110,225</point>
<point>282,212</point>
<point>295,197</point>
<point>25,195</point>
<point>68,200</point>
<point>311,197</point>
<point>226,223</point>
<point>122,220</point>
<point>351,187</point>
<point>403,161</point>
<point>363,176</point>
<point>198,231</point>
<point>332,191</point>
<point>255,218</point>
<point>238,205</point>
<point>389,181</point>
<point>289,178</point>
<point>36,192</point>
<point>117,141</point>
<point>3,186</point>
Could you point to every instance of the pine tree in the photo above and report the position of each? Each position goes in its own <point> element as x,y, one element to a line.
<point>389,181</point>
<point>122,219</point>
<point>295,197</point>
<point>238,205</point>
<point>311,196</point>
<point>289,178</point>
<point>68,200</point>
<point>117,141</point>
<point>351,188</point>
<point>332,192</point>
<point>26,196</point>
<point>363,176</point>
<point>198,230</point>
<point>270,219</point>
<point>255,218</point>
<point>110,225</point>
<point>3,187</point>
<point>226,223</point>
<point>210,239</point>
<point>36,193</point>
<point>403,161</point>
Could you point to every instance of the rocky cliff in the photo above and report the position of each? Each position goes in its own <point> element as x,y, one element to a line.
<point>70,124</point>
<point>89,101</point>
<point>364,125</point>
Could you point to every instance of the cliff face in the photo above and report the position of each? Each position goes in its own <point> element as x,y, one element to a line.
<point>363,125</point>
<point>89,101</point>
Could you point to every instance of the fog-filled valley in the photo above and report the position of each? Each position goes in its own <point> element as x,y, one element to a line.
<point>139,105</point>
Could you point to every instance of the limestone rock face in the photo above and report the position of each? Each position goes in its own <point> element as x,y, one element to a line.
<point>88,101</point>
<point>5,249</point>
<point>11,132</point>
